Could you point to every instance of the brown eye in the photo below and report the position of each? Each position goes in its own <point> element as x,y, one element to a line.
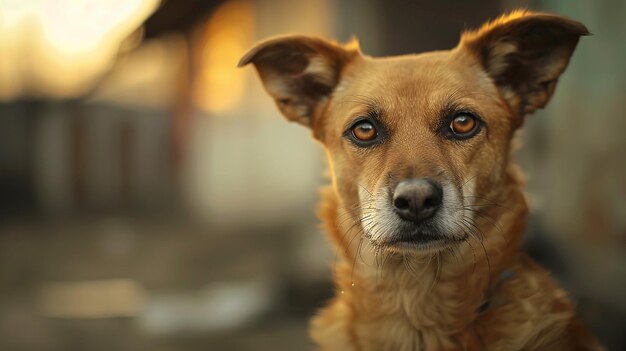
<point>463,124</point>
<point>364,131</point>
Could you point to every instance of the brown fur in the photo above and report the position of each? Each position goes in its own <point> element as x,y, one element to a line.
<point>397,298</point>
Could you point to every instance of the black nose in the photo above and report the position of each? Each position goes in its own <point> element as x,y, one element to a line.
<point>417,199</point>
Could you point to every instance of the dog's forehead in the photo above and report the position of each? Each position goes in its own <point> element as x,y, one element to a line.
<point>407,85</point>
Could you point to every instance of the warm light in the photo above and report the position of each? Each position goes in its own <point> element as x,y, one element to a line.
<point>147,77</point>
<point>93,299</point>
<point>229,33</point>
<point>60,48</point>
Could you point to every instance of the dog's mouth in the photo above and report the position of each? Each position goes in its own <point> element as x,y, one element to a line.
<point>420,240</point>
<point>424,243</point>
<point>425,238</point>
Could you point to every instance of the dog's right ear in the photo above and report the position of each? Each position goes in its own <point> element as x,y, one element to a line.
<point>525,53</point>
<point>299,72</point>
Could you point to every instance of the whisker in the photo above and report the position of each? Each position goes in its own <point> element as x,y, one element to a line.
<point>437,273</point>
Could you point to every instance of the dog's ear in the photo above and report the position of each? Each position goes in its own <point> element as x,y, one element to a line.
<point>525,53</point>
<point>299,72</point>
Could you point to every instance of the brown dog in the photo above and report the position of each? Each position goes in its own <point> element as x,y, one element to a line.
<point>426,206</point>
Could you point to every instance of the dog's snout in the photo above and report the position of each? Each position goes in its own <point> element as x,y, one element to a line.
<point>417,199</point>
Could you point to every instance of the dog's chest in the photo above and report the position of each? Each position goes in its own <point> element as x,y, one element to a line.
<point>413,311</point>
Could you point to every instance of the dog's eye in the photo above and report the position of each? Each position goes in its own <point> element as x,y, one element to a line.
<point>364,131</point>
<point>464,125</point>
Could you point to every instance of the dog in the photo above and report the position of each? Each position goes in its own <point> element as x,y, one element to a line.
<point>426,208</point>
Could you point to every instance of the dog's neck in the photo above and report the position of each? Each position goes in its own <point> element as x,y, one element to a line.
<point>442,292</point>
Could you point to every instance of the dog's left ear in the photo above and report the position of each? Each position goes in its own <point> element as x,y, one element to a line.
<point>300,72</point>
<point>525,53</point>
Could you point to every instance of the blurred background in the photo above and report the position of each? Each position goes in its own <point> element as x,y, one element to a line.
<point>151,197</point>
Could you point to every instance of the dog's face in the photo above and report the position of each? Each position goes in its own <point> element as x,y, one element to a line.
<point>414,142</point>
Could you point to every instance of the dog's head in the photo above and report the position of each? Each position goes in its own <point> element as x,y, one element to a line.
<point>413,141</point>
